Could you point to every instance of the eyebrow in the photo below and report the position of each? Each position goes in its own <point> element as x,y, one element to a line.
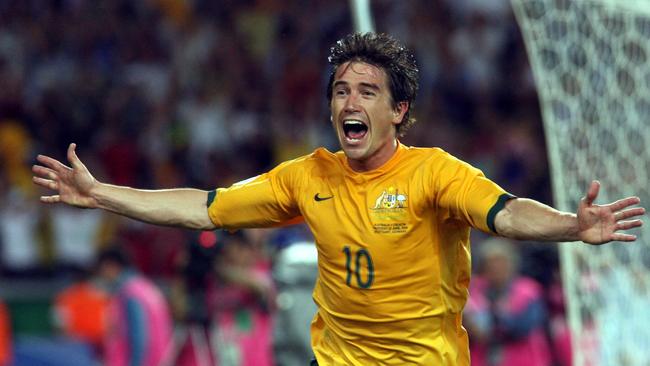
<point>367,85</point>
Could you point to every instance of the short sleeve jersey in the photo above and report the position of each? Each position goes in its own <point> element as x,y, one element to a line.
<point>393,248</point>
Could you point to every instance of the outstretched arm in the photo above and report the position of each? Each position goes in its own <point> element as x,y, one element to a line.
<point>526,219</point>
<point>75,186</point>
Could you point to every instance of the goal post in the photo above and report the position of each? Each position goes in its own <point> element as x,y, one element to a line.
<point>591,64</point>
<point>362,16</point>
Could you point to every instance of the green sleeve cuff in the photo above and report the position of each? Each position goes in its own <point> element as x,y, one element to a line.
<point>211,196</point>
<point>498,206</point>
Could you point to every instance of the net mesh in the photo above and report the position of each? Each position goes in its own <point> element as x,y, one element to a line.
<point>591,62</point>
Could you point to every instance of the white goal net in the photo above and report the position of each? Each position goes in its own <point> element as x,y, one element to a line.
<point>591,62</point>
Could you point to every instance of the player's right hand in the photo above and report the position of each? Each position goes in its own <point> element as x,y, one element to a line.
<point>73,185</point>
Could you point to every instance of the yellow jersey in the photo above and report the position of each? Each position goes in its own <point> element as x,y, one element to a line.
<point>393,248</point>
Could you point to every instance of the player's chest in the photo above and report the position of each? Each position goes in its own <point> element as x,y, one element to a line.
<point>352,210</point>
<point>365,232</point>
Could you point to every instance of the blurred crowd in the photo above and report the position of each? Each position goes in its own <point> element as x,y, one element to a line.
<point>203,93</point>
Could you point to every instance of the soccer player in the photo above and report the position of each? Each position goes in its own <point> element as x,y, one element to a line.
<point>391,222</point>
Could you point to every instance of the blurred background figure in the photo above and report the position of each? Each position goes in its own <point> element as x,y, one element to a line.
<point>76,237</point>
<point>506,314</point>
<point>139,329</point>
<point>20,216</point>
<point>295,272</point>
<point>242,303</point>
<point>194,272</point>
<point>5,336</point>
<point>558,327</point>
<point>80,311</point>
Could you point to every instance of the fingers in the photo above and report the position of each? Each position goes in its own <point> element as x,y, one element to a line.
<point>46,177</point>
<point>623,237</point>
<point>625,225</point>
<point>630,224</point>
<point>47,183</point>
<point>592,192</point>
<point>44,172</point>
<point>623,203</point>
<point>626,214</point>
<point>73,158</point>
<point>51,199</point>
<point>52,163</point>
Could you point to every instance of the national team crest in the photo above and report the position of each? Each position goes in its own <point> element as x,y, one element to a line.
<point>391,198</point>
<point>389,213</point>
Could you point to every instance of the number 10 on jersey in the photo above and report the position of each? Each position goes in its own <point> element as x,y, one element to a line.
<point>355,261</point>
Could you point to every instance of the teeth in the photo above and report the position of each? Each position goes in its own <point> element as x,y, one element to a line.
<point>354,127</point>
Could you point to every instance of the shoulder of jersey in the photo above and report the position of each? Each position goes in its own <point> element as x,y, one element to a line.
<point>318,154</point>
<point>324,156</point>
<point>426,153</point>
<point>439,159</point>
<point>318,160</point>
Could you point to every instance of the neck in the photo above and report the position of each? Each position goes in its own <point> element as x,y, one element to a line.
<point>376,160</point>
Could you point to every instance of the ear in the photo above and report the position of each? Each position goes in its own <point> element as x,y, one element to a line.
<point>399,112</point>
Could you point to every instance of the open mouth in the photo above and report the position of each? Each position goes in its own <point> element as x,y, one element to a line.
<point>354,130</point>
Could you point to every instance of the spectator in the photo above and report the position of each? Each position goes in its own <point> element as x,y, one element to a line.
<point>505,313</point>
<point>139,322</point>
<point>76,237</point>
<point>242,301</point>
<point>80,311</point>
<point>19,224</point>
<point>190,303</point>
<point>558,327</point>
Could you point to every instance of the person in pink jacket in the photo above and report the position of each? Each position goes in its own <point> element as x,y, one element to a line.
<point>505,313</point>
<point>242,302</point>
<point>139,321</point>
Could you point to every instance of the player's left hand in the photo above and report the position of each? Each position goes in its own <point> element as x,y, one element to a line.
<point>599,224</point>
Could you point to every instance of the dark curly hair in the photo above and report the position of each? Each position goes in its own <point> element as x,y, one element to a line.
<point>384,52</point>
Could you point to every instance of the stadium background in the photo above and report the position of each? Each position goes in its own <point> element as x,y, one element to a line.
<point>167,93</point>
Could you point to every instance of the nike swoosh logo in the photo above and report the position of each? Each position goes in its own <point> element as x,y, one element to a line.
<point>318,198</point>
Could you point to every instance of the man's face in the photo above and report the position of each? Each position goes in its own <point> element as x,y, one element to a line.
<point>108,272</point>
<point>363,115</point>
<point>498,270</point>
